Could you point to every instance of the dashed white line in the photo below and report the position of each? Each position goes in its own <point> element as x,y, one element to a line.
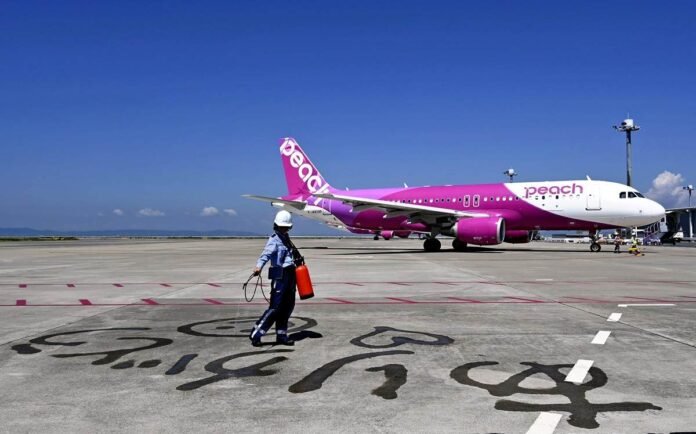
<point>545,423</point>
<point>646,304</point>
<point>601,337</point>
<point>579,371</point>
<point>614,317</point>
<point>544,280</point>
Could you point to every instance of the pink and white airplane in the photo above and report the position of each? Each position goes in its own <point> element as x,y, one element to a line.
<point>483,214</point>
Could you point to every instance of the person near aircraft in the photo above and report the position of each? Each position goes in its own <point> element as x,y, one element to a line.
<point>280,252</point>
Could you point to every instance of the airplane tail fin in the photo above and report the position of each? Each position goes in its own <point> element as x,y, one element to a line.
<point>301,175</point>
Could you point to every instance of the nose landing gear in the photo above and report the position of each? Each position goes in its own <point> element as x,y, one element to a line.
<point>594,247</point>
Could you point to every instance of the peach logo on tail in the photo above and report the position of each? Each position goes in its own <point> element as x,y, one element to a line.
<point>553,189</point>
<point>305,171</point>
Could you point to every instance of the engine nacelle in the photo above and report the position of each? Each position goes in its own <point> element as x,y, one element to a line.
<point>518,236</point>
<point>480,231</point>
<point>402,234</point>
<point>387,235</point>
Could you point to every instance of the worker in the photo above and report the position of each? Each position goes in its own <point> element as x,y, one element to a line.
<point>634,246</point>
<point>617,243</point>
<point>280,252</point>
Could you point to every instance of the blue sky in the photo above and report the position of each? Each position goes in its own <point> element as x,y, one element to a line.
<point>178,106</point>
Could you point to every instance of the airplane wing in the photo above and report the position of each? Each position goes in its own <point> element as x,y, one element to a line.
<point>397,209</point>
<point>292,203</point>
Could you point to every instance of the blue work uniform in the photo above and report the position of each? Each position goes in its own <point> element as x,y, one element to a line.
<point>282,302</point>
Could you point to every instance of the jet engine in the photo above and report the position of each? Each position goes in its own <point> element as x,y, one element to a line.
<point>518,236</point>
<point>402,234</point>
<point>387,235</point>
<point>480,231</point>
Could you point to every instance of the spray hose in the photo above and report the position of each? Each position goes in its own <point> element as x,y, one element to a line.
<point>258,284</point>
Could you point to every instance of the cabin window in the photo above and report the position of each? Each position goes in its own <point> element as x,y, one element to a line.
<point>485,198</point>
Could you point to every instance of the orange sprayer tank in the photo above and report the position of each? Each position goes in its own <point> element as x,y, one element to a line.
<point>304,283</point>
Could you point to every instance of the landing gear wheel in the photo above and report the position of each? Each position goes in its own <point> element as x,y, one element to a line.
<point>595,247</point>
<point>376,237</point>
<point>432,245</point>
<point>459,246</point>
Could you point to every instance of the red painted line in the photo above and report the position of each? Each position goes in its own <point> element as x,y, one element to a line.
<point>166,285</point>
<point>649,299</point>
<point>149,301</point>
<point>340,300</point>
<point>118,285</point>
<point>526,300</point>
<point>212,301</point>
<point>22,285</point>
<point>21,303</point>
<point>353,283</point>
<point>214,284</point>
<point>593,300</point>
<point>70,285</point>
<point>466,300</point>
<point>399,283</point>
<point>402,300</point>
<point>85,302</point>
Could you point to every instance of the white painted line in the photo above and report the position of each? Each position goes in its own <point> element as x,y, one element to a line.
<point>601,337</point>
<point>545,280</point>
<point>577,374</point>
<point>545,423</point>
<point>646,304</point>
<point>614,317</point>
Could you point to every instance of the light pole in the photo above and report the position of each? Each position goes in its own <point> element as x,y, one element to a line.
<point>626,127</point>
<point>690,188</point>
<point>511,173</point>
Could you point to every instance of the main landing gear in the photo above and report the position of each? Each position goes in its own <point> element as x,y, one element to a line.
<point>431,244</point>
<point>458,245</point>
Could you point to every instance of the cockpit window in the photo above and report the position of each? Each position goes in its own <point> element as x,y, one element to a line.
<point>631,194</point>
<point>622,195</point>
<point>639,194</point>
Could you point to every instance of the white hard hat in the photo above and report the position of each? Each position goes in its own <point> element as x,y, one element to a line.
<point>283,219</point>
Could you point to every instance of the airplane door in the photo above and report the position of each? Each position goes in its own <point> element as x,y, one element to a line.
<point>594,201</point>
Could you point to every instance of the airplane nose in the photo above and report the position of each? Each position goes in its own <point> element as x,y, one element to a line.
<point>655,210</point>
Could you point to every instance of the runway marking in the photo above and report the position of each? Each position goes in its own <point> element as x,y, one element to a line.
<point>646,304</point>
<point>70,285</point>
<point>118,285</point>
<point>166,285</point>
<point>545,423</point>
<point>22,285</point>
<point>445,283</point>
<point>466,300</point>
<point>402,300</point>
<point>526,300</point>
<point>544,280</point>
<point>212,301</point>
<point>21,303</point>
<point>353,283</point>
<point>614,317</point>
<point>579,371</point>
<point>601,337</point>
<point>85,302</point>
<point>149,301</point>
<point>214,285</point>
<point>340,300</point>
<point>399,283</point>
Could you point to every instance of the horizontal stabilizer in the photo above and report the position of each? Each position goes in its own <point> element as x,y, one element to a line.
<point>276,200</point>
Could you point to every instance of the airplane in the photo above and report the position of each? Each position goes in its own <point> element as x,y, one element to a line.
<point>483,214</point>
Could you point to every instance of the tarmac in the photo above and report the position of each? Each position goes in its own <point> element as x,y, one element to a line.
<point>151,336</point>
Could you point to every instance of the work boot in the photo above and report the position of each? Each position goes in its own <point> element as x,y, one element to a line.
<point>284,340</point>
<point>255,341</point>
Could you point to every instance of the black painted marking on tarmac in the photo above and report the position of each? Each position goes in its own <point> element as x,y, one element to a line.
<point>181,364</point>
